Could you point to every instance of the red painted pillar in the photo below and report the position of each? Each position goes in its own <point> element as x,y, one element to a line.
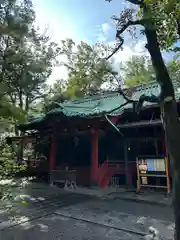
<point>52,155</point>
<point>94,158</point>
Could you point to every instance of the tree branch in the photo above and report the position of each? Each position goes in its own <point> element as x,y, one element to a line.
<point>136,2</point>
<point>119,32</point>
<point>121,92</point>
<point>144,98</point>
<point>178,27</point>
<point>37,97</point>
<point>120,106</point>
<point>137,105</point>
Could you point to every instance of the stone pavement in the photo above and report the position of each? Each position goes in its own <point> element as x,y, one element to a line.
<point>34,205</point>
<point>151,197</point>
<point>94,191</point>
<point>109,213</point>
<point>144,197</point>
<point>56,227</point>
<point>95,219</point>
<point>53,213</point>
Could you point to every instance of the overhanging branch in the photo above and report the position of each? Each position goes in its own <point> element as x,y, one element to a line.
<point>37,97</point>
<point>136,2</point>
<point>178,27</point>
<point>137,105</point>
<point>144,98</point>
<point>119,32</point>
<point>117,108</point>
<point>121,92</point>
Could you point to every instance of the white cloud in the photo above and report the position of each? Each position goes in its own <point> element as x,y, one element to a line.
<point>130,5</point>
<point>102,32</point>
<point>105,28</point>
<point>57,31</point>
<point>128,51</point>
<point>140,49</point>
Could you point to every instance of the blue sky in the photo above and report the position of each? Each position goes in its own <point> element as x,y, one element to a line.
<point>84,20</point>
<point>80,19</point>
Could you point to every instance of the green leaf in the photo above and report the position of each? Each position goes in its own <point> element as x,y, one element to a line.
<point>139,14</point>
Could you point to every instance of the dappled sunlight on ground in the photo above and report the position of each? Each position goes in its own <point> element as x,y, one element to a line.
<point>39,211</point>
<point>64,228</point>
<point>23,182</point>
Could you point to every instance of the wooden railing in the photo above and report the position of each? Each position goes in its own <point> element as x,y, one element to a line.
<point>115,164</point>
<point>111,167</point>
<point>66,177</point>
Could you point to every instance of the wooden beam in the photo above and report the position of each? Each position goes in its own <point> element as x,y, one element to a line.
<point>22,138</point>
<point>140,124</point>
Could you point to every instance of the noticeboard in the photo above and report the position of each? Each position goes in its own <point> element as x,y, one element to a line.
<point>157,167</point>
<point>152,165</point>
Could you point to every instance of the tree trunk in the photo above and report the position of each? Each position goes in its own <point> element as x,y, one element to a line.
<point>169,116</point>
<point>172,129</point>
<point>21,146</point>
<point>178,26</point>
<point>27,104</point>
<point>20,99</point>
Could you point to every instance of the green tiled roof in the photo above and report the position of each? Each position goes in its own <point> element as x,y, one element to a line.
<point>102,104</point>
<point>90,106</point>
<point>152,89</point>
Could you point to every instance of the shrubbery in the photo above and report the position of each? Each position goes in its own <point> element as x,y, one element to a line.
<point>9,167</point>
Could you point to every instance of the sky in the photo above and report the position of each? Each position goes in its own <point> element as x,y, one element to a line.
<point>84,20</point>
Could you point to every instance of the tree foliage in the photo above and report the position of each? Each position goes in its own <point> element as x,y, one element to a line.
<point>11,111</point>
<point>27,56</point>
<point>26,60</point>
<point>86,70</point>
<point>139,70</point>
<point>8,167</point>
<point>174,68</point>
<point>57,94</point>
<point>166,17</point>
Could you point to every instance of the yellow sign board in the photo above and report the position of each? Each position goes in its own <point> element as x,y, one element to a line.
<point>152,168</point>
